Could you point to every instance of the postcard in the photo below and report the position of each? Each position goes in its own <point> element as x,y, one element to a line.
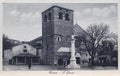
<point>60,38</point>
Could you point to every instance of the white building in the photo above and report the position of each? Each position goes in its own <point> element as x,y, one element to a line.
<point>22,54</point>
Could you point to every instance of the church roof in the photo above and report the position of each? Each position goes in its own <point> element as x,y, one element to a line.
<point>37,39</point>
<point>63,49</point>
<point>77,30</point>
<point>37,42</point>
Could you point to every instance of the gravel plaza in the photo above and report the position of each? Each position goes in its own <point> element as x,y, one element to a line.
<point>49,67</point>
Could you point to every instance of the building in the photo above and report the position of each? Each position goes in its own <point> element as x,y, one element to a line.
<point>80,46</point>
<point>53,47</point>
<point>57,27</point>
<point>22,54</point>
<point>109,53</point>
<point>37,42</point>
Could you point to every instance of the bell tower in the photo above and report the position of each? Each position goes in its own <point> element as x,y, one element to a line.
<point>57,27</point>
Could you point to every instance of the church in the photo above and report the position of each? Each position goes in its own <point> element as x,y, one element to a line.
<point>53,47</point>
<point>57,28</point>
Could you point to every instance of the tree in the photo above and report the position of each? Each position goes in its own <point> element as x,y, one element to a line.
<point>94,35</point>
<point>107,47</point>
<point>7,44</point>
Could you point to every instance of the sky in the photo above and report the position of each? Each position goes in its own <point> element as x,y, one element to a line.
<point>22,21</point>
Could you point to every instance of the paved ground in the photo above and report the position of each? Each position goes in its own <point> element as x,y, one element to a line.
<point>34,67</point>
<point>45,68</point>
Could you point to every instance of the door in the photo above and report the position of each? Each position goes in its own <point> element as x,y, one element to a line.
<point>60,61</point>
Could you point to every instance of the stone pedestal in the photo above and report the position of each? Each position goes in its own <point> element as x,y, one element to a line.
<point>73,64</point>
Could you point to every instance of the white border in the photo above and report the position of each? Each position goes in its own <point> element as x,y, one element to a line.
<point>61,1</point>
<point>46,73</point>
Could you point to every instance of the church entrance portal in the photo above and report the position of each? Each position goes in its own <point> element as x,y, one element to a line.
<point>78,60</point>
<point>60,61</point>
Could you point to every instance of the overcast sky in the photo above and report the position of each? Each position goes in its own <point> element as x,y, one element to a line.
<point>23,21</point>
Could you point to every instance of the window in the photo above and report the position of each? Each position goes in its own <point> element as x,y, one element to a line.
<point>24,46</point>
<point>45,18</point>
<point>49,16</point>
<point>60,15</point>
<point>67,17</point>
<point>58,38</point>
<point>25,50</point>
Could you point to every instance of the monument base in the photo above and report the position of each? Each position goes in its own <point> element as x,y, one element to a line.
<point>73,64</point>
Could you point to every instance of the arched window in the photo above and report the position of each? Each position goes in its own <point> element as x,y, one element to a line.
<point>67,17</point>
<point>49,16</point>
<point>45,18</point>
<point>58,38</point>
<point>60,15</point>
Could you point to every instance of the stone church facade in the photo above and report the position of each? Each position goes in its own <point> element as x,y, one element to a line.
<point>57,27</point>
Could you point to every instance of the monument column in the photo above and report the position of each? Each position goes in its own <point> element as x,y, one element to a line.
<point>73,64</point>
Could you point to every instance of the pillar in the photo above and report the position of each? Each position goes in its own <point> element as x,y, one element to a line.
<point>25,60</point>
<point>12,61</point>
<point>73,64</point>
<point>16,60</point>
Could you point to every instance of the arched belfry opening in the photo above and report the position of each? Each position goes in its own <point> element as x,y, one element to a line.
<point>67,17</point>
<point>45,18</point>
<point>60,61</point>
<point>60,15</point>
<point>49,16</point>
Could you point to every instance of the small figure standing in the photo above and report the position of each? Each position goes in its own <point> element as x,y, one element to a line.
<point>29,63</point>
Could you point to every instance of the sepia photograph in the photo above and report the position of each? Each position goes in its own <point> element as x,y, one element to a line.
<point>59,36</point>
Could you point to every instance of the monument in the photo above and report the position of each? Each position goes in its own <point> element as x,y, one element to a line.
<point>73,64</point>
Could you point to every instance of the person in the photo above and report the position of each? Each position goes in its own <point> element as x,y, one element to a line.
<point>29,63</point>
<point>64,62</point>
